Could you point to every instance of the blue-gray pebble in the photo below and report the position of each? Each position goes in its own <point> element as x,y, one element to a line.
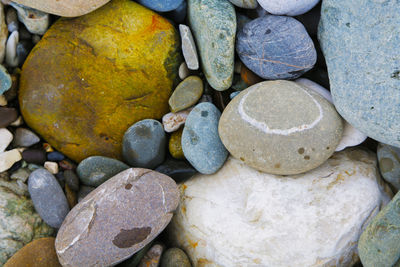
<point>179,14</point>
<point>389,164</point>
<point>161,5</point>
<point>95,170</point>
<point>379,244</point>
<point>360,41</point>
<point>144,144</point>
<point>276,47</point>
<point>48,197</point>
<point>5,80</point>
<point>201,144</point>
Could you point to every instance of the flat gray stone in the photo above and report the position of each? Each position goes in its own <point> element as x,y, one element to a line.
<point>189,47</point>
<point>25,138</point>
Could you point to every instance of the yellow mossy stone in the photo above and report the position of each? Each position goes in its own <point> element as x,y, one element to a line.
<point>92,77</point>
<point>175,146</point>
<point>38,253</point>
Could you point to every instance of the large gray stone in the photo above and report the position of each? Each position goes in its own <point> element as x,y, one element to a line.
<point>280,127</point>
<point>360,42</point>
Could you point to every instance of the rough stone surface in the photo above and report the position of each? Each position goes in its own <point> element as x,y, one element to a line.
<point>121,216</point>
<point>359,42</point>
<point>38,253</point>
<point>213,23</point>
<point>161,5</point>
<point>19,222</point>
<point>152,257</point>
<point>201,143</point>
<point>351,136</point>
<point>35,21</point>
<point>280,127</point>
<point>144,144</point>
<point>175,257</point>
<point>7,116</point>
<point>186,94</point>
<point>8,158</point>
<point>314,219</point>
<point>86,114</point>
<point>95,170</point>
<point>379,244</point>
<point>5,139</point>
<point>276,47</point>
<point>25,138</point>
<point>173,121</point>
<point>5,78</point>
<point>251,4</point>
<point>287,7</point>
<point>389,164</point>
<point>72,8</point>
<point>189,47</point>
<point>48,197</point>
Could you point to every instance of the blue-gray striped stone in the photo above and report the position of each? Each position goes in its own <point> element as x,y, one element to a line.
<point>379,244</point>
<point>201,144</point>
<point>48,197</point>
<point>276,47</point>
<point>213,23</point>
<point>360,40</point>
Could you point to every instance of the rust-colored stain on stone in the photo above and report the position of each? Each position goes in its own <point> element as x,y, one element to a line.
<point>128,238</point>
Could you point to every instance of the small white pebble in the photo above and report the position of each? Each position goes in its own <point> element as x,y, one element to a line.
<point>18,122</point>
<point>183,71</point>
<point>11,49</point>
<point>5,139</point>
<point>8,158</point>
<point>51,166</point>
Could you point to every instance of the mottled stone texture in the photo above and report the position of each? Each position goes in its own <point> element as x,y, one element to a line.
<point>360,42</point>
<point>213,23</point>
<point>276,47</point>
<point>119,217</point>
<point>92,77</point>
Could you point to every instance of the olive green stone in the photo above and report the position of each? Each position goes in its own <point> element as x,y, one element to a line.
<point>186,94</point>
<point>175,257</point>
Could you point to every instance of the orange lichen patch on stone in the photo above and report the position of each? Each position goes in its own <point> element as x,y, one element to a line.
<point>193,244</point>
<point>338,179</point>
<point>249,77</point>
<point>203,262</point>
<point>351,174</point>
<point>92,77</point>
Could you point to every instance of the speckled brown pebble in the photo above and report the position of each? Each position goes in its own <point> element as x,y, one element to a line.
<point>37,253</point>
<point>120,216</point>
<point>7,116</point>
<point>175,257</point>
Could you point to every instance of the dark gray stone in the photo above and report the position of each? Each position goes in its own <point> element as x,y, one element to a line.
<point>176,169</point>
<point>25,138</point>
<point>276,47</point>
<point>72,180</point>
<point>144,144</point>
<point>48,197</point>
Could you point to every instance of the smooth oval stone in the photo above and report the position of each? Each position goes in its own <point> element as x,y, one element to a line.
<point>176,169</point>
<point>33,155</point>
<point>72,8</point>
<point>8,158</point>
<point>121,216</point>
<point>173,121</point>
<point>280,127</point>
<point>85,114</point>
<point>161,5</point>
<point>359,42</point>
<point>71,179</point>
<point>276,47</point>
<point>186,94</point>
<point>144,144</point>
<point>38,253</point>
<point>201,144</point>
<point>7,116</point>
<point>189,47</point>
<point>213,23</point>
<point>20,223</point>
<point>48,197</point>
<point>379,244</point>
<point>389,164</point>
<point>313,219</point>
<point>351,136</point>
<point>5,80</point>
<point>71,196</point>
<point>55,156</point>
<point>93,171</point>
<point>287,7</point>
<point>175,145</point>
<point>25,138</point>
<point>174,257</point>
<point>251,4</point>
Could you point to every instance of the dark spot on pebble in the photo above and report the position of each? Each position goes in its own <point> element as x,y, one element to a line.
<point>129,238</point>
<point>213,45</point>
<point>221,36</point>
<point>143,131</point>
<point>307,157</point>
<point>277,166</point>
<point>128,186</point>
<point>31,16</point>
<point>155,123</point>
<point>268,31</point>
<point>372,108</point>
<point>296,72</point>
<point>313,149</point>
<point>242,159</point>
<point>194,139</point>
<point>395,75</point>
<point>348,24</point>
<point>204,113</point>
<point>301,150</point>
<point>327,148</point>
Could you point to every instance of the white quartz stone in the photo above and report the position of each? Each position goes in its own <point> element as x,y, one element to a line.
<point>8,158</point>
<point>351,136</point>
<point>172,121</point>
<point>242,217</point>
<point>5,139</point>
<point>189,47</point>
<point>52,167</point>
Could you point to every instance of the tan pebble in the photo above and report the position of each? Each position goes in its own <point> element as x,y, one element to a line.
<point>52,167</point>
